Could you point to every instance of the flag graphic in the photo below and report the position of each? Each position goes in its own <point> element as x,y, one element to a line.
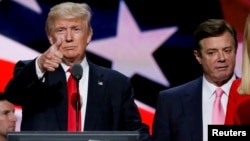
<point>151,42</point>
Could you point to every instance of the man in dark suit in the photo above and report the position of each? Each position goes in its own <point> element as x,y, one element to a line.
<point>40,85</point>
<point>184,112</point>
<point>7,117</point>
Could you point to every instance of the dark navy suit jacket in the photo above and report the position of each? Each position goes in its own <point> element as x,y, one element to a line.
<point>110,106</point>
<point>178,115</point>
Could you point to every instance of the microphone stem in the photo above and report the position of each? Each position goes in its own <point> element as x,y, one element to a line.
<point>77,107</point>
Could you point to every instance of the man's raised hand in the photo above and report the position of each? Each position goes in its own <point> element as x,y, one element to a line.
<point>51,58</point>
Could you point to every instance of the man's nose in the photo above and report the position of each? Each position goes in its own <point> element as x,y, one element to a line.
<point>69,35</point>
<point>221,56</point>
<point>13,117</point>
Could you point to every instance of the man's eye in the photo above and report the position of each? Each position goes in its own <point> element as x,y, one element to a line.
<point>210,53</point>
<point>77,29</point>
<point>228,50</point>
<point>60,30</point>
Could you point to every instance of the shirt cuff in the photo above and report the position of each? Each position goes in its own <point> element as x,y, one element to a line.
<point>39,73</point>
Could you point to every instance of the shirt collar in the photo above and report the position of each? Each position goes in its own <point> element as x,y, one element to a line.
<point>210,88</point>
<point>84,65</point>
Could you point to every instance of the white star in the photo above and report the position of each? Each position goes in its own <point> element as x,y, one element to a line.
<point>13,51</point>
<point>131,50</point>
<point>31,4</point>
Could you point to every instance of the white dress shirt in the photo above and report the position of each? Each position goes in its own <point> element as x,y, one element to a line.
<point>208,96</point>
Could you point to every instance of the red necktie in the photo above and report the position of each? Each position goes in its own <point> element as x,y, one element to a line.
<point>73,115</point>
<point>218,112</point>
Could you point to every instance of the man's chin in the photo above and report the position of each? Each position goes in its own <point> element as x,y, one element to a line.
<point>12,129</point>
<point>223,77</point>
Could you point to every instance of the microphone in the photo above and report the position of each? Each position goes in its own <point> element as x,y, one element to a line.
<point>76,72</point>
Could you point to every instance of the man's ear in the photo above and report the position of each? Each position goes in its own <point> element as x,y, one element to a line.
<point>90,35</point>
<point>197,56</point>
<point>50,40</point>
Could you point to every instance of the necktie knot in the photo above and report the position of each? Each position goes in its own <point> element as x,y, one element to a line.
<point>69,70</point>
<point>219,92</point>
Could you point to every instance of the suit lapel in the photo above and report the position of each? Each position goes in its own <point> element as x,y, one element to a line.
<point>192,104</point>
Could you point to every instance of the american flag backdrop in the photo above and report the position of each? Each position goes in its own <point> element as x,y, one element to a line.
<point>150,41</point>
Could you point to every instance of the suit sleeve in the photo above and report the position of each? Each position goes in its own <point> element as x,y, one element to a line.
<point>22,83</point>
<point>132,117</point>
<point>161,120</point>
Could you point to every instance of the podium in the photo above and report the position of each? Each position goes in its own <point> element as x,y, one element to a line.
<point>73,136</point>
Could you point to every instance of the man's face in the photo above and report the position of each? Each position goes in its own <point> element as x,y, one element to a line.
<point>7,117</point>
<point>74,35</point>
<point>217,58</point>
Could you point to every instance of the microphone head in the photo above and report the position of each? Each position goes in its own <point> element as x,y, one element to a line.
<point>77,71</point>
